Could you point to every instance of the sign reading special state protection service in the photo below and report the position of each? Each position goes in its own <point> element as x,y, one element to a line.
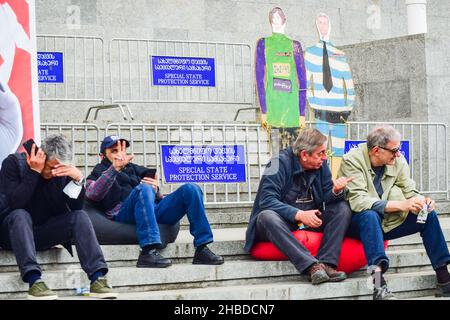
<point>50,67</point>
<point>404,147</point>
<point>183,71</point>
<point>206,164</point>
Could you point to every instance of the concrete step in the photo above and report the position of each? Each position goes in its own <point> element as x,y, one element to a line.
<point>228,242</point>
<point>65,277</point>
<point>404,286</point>
<point>238,215</point>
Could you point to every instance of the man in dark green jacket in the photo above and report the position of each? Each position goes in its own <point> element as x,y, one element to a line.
<point>385,203</point>
<point>296,188</point>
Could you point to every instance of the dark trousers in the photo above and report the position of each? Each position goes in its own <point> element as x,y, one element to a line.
<point>270,226</point>
<point>19,235</point>
<point>366,226</point>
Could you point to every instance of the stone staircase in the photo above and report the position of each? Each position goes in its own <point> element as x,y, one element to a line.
<point>240,277</point>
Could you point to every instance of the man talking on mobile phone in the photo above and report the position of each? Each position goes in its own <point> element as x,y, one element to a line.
<point>121,190</point>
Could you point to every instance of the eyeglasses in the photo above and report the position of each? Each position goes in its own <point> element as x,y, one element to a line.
<point>393,151</point>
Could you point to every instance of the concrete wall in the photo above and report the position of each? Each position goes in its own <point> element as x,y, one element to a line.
<point>243,21</point>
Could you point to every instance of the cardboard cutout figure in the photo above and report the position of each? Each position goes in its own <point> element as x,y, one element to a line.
<point>280,76</point>
<point>330,89</point>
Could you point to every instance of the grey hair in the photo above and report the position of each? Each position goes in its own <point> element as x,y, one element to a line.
<point>308,140</point>
<point>56,146</point>
<point>381,135</point>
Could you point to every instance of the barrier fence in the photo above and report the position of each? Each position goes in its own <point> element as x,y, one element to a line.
<point>131,72</point>
<point>83,68</point>
<point>427,151</point>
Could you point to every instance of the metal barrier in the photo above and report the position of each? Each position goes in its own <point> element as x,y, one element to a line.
<point>83,68</point>
<point>145,140</point>
<point>428,151</point>
<point>85,140</point>
<point>130,72</point>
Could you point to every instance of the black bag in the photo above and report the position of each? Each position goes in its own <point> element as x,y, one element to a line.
<point>332,116</point>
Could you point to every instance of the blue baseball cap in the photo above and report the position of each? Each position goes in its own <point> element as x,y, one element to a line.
<point>110,141</point>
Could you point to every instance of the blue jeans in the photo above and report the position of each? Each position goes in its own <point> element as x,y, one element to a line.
<point>366,226</point>
<point>139,208</point>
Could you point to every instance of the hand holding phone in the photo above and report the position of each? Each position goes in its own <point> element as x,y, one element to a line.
<point>35,156</point>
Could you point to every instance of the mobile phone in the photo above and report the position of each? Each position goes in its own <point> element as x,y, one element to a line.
<point>27,145</point>
<point>149,173</point>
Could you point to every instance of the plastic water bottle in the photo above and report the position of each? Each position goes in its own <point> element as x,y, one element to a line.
<point>82,291</point>
<point>423,214</point>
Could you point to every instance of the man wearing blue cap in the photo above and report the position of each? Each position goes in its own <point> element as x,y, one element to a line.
<point>127,194</point>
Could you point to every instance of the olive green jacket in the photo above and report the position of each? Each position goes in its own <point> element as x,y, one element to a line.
<point>396,182</point>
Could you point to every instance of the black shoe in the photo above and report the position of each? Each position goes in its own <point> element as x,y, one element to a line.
<point>383,293</point>
<point>152,260</point>
<point>443,289</point>
<point>206,256</point>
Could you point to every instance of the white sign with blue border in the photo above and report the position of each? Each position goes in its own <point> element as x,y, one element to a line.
<point>183,71</point>
<point>205,164</point>
<point>50,67</point>
<point>404,147</point>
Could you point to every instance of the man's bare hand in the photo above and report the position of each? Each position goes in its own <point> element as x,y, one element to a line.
<point>341,183</point>
<point>412,204</point>
<point>65,170</point>
<point>121,159</point>
<point>309,218</point>
<point>152,182</point>
<point>430,203</point>
<point>36,161</point>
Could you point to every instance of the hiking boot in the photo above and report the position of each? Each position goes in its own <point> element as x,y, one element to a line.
<point>383,293</point>
<point>206,256</point>
<point>317,274</point>
<point>443,289</point>
<point>152,260</point>
<point>40,291</point>
<point>335,276</point>
<point>102,290</point>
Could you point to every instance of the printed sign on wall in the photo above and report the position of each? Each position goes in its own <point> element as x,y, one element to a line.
<point>50,67</point>
<point>214,164</point>
<point>183,71</point>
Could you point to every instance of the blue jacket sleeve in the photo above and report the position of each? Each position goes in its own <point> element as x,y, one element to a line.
<point>271,192</point>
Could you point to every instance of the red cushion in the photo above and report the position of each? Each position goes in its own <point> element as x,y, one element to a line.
<point>352,256</point>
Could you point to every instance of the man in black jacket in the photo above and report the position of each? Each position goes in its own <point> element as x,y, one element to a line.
<point>124,192</point>
<point>45,195</point>
<point>296,189</point>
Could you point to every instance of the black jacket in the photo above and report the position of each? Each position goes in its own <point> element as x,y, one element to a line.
<point>277,181</point>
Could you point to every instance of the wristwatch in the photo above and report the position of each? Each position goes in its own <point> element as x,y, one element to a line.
<point>79,182</point>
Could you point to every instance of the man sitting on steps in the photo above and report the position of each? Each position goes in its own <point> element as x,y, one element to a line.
<point>121,190</point>
<point>296,188</point>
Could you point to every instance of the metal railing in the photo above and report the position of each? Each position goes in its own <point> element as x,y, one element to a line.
<point>427,151</point>
<point>83,68</point>
<point>85,139</point>
<point>131,79</point>
<point>145,140</point>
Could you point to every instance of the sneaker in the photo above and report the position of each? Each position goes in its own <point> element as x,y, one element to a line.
<point>102,290</point>
<point>335,276</point>
<point>317,274</point>
<point>206,256</point>
<point>40,291</point>
<point>152,260</point>
<point>383,293</point>
<point>443,289</point>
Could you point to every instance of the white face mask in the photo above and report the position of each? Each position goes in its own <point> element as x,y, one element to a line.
<point>277,23</point>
